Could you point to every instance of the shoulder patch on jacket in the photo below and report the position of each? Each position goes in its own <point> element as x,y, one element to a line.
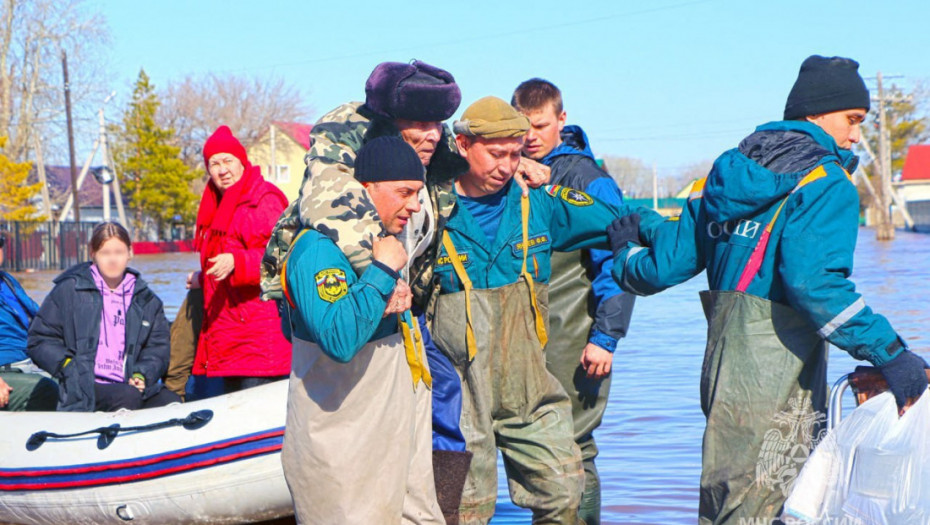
<point>569,195</point>
<point>697,189</point>
<point>331,284</point>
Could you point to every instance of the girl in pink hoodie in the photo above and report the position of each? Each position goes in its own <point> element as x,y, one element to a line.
<point>102,332</point>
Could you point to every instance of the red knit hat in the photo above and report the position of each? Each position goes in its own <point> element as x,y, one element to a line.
<point>223,141</point>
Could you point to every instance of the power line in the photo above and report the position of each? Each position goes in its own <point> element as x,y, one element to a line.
<point>682,136</point>
<point>702,123</point>
<point>509,33</point>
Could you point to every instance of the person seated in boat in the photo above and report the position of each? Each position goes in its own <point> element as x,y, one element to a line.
<point>102,332</point>
<point>19,388</point>
<point>357,445</point>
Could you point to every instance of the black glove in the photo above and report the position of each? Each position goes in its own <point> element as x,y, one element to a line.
<point>906,377</point>
<point>622,231</point>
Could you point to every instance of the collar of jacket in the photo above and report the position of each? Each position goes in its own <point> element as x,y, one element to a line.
<point>846,157</point>
<point>84,280</point>
<point>574,142</point>
<point>463,222</point>
<point>29,305</point>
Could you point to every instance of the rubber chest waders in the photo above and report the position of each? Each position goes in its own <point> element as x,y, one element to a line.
<point>494,338</point>
<point>358,439</point>
<point>571,316</point>
<point>763,392</point>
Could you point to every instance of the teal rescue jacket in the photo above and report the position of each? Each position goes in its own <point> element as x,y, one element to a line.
<point>809,256</point>
<point>329,304</point>
<point>561,219</point>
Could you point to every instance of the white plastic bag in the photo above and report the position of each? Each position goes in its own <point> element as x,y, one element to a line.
<point>872,469</point>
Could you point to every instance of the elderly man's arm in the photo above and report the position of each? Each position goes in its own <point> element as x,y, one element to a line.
<point>331,200</point>
<point>531,174</point>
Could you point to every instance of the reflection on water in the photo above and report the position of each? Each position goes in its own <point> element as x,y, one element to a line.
<point>650,441</point>
<point>166,274</point>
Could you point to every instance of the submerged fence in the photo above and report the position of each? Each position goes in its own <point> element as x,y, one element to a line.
<point>44,245</point>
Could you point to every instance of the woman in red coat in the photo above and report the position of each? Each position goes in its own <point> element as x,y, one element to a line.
<point>241,339</point>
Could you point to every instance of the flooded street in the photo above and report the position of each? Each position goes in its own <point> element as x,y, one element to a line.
<point>650,440</point>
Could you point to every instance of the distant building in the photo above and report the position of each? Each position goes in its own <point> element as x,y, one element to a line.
<point>290,142</point>
<point>90,194</point>
<point>914,186</point>
<point>915,176</point>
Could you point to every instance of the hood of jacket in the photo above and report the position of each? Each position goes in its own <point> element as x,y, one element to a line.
<point>767,166</point>
<point>574,142</point>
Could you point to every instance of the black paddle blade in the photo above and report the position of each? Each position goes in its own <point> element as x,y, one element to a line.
<point>36,440</point>
<point>197,419</point>
<point>107,435</point>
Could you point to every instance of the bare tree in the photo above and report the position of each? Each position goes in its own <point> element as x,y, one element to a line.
<point>632,175</point>
<point>195,106</point>
<point>33,34</point>
<point>689,174</point>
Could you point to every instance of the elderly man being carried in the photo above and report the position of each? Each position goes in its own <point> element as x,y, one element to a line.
<point>409,101</point>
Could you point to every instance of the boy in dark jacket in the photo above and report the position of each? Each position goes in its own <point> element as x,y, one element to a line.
<point>588,312</point>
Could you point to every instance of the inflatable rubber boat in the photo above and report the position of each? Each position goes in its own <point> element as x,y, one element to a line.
<point>217,460</point>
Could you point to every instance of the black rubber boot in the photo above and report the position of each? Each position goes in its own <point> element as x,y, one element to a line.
<point>450,470</point>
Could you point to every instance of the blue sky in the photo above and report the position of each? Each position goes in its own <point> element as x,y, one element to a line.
<point>672,82</point>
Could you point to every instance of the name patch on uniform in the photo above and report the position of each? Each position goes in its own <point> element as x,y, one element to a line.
<point>539,240</point>
<point>331,284</point>
<point>569,195</point>
<point>446,259</point>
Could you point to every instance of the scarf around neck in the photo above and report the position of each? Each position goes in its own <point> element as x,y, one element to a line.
<point>215,214</point>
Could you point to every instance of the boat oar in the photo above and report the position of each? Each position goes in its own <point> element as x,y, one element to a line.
<point>193,421</point>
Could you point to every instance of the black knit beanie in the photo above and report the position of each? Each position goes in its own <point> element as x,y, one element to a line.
<point>825,85</point>
<point>388,159</point>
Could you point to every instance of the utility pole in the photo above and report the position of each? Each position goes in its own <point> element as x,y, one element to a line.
<point>74,176</point>
<point>655,187</point>
<point>884,229</point>
<point>40,170</point>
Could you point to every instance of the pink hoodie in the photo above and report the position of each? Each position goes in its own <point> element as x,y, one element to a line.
<point>110,364</point>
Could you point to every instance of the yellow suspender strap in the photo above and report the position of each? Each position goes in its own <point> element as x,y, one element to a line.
<point>540,323</point>
<point>817,173</point>
<point>459,268</point>
<point>413,348</point>
<point>287,295</point>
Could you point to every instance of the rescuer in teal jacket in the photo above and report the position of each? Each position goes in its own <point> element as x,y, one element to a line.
<point>561,219</point>
<point>358,440</point>
<point>490,318</point>
<point>775,225</point>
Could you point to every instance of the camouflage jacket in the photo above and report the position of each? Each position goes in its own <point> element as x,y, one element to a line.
<point>332,202</point>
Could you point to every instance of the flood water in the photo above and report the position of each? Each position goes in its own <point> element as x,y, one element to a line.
<point>650,441</point>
